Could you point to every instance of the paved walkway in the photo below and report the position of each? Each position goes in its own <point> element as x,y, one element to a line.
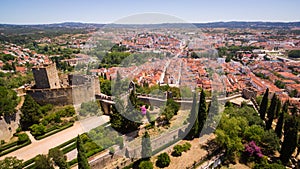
<point>42,146</point>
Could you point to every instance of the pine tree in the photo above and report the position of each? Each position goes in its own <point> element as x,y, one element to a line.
<point>279,125</point>
<point>271,112</point>
<point>202,114</point>
<point>263,105</point>
<point>193,120</point>
<point>146,146</point>
<point>290,139</point>
<point>81,157</point>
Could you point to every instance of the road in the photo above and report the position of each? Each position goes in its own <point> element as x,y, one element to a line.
<point>42,146</point>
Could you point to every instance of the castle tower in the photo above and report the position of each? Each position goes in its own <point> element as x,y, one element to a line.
<point>46,76</point>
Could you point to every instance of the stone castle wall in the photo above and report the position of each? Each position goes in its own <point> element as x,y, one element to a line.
<point>63,96</point>
<point>46,77</point>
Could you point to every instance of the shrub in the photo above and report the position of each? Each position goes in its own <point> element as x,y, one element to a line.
<point>22,138</point>
<point>177,151</point>
<point>69,110</point>
<point>146,165</point>
<point>163,160</point>
<point>37,129</point>
<point>89,146</point>
<point>186,146</point>
<point>46,108</point>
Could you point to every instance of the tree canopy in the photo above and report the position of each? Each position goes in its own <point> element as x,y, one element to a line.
<point>31,113</point>
<point>81,156</point>
<point>8,101</point>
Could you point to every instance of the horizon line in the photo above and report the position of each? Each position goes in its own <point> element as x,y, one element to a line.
<point>107,23</point>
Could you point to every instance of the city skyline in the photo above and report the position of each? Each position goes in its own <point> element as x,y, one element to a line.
<point>46,12</point>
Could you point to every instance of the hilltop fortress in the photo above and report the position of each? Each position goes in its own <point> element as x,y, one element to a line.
<point>62,90</point>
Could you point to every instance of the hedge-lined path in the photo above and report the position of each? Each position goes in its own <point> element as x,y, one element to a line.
<point>42,146</point>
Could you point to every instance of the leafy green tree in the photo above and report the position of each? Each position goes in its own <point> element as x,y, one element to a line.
<point>271,112</point>
<point>264,105</point>
<point>146,146</point>
<point>43,162</point>
<point>146,165</point>
<point>116,119</point>
<point>11,163</point>
<point>163,160</point>
<point>289,144</point>
<point>193,120</point>
<point>270,142</point>
<point>228,135</point>
<point>254,133</point>
<point>8,101</point>
<point>202,114</point>
<point>31,113</point>
<point>59,158</point>
<point>169,110</point>
<point>81,156</point>
<point>127,117</point>
<point>105,86</point>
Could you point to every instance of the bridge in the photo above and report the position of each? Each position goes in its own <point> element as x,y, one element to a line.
<point>185,103</point>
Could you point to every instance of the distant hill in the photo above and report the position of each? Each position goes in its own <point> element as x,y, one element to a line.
<point>233,24</point>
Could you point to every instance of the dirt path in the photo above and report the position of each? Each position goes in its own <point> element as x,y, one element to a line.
<point>20,103</point>
<point>42,146</point>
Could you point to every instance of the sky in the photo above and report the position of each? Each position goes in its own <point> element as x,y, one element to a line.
<point>110,11</point>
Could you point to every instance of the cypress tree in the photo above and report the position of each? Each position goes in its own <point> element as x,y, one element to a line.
<point>278,108</point>
<point>81,157</point>
<point>271,112</point>
<point>290,139</point>
<point>263,105</point>
<point>202,114</point>
<point>279,125</point>
<point>212,113</point>
<point>146,146</point>
<point>193,120</point>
